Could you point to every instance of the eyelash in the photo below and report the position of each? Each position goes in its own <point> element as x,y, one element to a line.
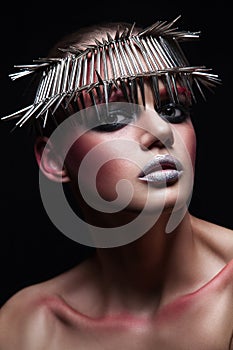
<point>127,117</point>
<point>171,112</point>
<point>174,113</point>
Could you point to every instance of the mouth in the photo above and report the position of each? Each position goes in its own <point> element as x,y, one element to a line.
<point>161,170</point>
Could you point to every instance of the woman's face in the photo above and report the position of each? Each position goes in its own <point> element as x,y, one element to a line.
<point>102,157</point>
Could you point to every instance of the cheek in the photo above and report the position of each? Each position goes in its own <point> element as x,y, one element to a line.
<point>77,152</point>
<point>190,142</point>
<point>99,167</point>
<point>110,174</point>
<point>186,135</point>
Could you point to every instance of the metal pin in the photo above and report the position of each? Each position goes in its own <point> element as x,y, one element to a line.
<point>168,84</point>
<point>142,90</point>
<point>18,113</point>
<point>154,52</point>
<point>29,114</point>
<point>160,54</point>
<point>155,89</point>
<point>112,62</point>
<point>118,59</point>
<point>144,53</point>
<point>125,60</point>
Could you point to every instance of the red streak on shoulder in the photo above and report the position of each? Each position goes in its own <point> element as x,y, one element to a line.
<point>222,280</point>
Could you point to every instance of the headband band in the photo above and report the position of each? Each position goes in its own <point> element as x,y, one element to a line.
<point>124,61</point>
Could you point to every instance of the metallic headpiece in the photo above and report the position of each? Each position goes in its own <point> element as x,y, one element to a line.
<point>122,61</point>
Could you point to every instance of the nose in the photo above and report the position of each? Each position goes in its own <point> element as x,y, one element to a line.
<point>155,131</point>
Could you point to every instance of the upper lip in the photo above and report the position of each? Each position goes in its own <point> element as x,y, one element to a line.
<point>161,162</point>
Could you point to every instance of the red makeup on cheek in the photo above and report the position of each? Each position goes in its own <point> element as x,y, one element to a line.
<point>78,151</point>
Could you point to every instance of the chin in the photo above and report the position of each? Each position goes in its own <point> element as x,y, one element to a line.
<point>161,201</point>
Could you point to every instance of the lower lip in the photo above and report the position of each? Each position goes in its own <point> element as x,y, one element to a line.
<point>159,177</point>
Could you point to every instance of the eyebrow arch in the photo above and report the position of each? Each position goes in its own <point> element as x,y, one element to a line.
<point>184,91</point>
<point>180,90</point>
<point>118,95</point>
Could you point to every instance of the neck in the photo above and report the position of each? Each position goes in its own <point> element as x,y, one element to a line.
<point>150,265</point>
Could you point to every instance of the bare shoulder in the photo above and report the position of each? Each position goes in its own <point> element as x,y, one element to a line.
<point>26,320</point>
<point>217,238</point>
<point>30,318</point>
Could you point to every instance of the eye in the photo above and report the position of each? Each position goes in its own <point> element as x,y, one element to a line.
<point>174,113</point>
<point>116,119</point>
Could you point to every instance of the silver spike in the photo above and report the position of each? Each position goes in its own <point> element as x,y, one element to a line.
<point>73,73</point>
<point>125,61</point>
<point>28,114</point>
<point>104,60</point>
<point>154,52</point>
<point>118,59</point>
<point>46,105</point>
<point>71,49</point>
<point>131,58</point>
<point>18,113</point>
<point>112,63</point>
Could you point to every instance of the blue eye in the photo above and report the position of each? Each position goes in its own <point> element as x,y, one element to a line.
<point>174,113</point>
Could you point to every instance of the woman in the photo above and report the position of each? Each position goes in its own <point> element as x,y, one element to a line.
<point>112,119</point>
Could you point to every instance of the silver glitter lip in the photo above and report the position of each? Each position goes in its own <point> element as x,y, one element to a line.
<point>162,169</point>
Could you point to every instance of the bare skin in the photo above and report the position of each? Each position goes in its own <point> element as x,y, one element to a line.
<point>189,307</point>
<point>161,292</point>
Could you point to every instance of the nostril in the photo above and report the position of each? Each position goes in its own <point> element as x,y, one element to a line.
<point>157,143</point>
<point>145,146</point>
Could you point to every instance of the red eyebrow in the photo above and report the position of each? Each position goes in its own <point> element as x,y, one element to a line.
<point>183,90</point>
<point>117,95</point>
<point>180,90</point>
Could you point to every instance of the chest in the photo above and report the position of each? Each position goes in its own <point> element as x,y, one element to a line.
<point>198,324</point>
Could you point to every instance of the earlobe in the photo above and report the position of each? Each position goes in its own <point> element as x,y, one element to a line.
<point>48,160</point>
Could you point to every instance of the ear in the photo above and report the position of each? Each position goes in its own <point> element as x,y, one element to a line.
<point>49,161</point>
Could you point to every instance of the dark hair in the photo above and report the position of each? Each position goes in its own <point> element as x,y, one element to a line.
<point>86,36</point>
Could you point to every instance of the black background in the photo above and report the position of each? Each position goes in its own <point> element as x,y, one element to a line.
<point>31,248</point>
